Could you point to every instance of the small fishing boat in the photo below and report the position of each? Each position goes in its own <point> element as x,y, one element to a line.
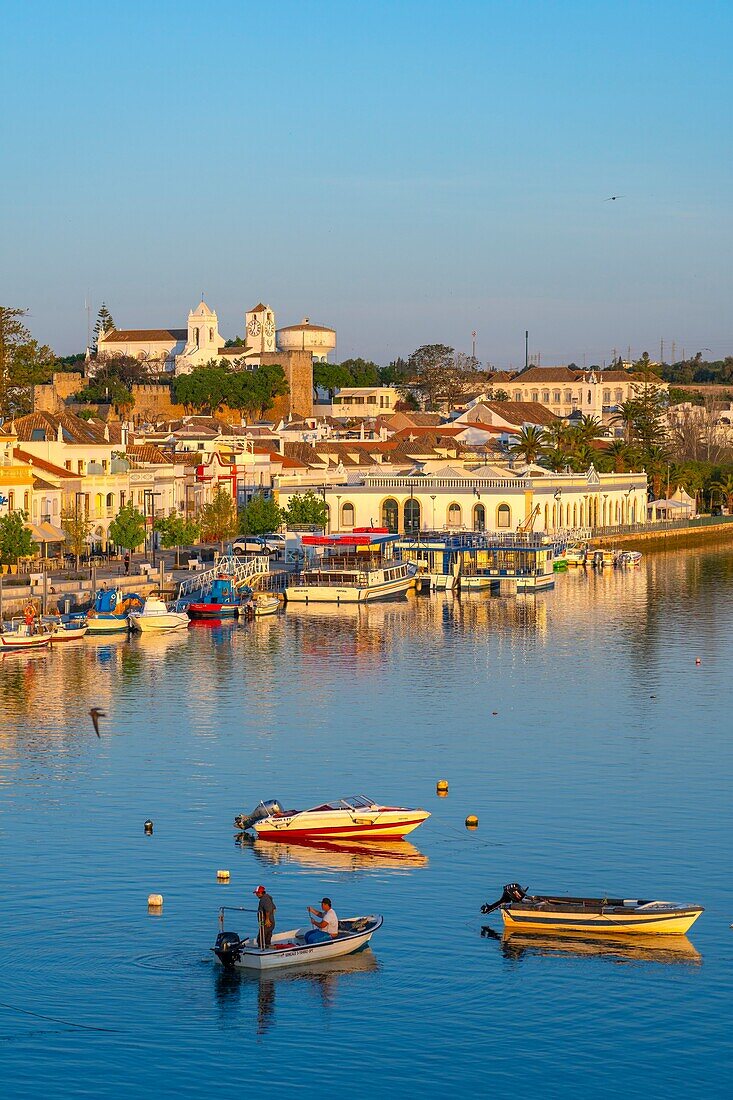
<point>67,630</point>
<point>344,819</point>
<point>155,616</point>
<point>630,559</point>
<point>604,558</point>
<point>576,555</point>
<point>112,608</point>
<point>292,948</point>
<point>222,601</point>
<point>265,604</point>
<point>559,915</point>
<point>23,635</point>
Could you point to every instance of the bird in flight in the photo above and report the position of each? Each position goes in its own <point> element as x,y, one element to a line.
<point>612,198</point>
<point>95,714</point>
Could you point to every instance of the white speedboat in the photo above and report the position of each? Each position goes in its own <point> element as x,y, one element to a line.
<point>265,604</point>
<point>630,559</point>
<point>155,616</point>
<point>292,948</point>
<point>345,819</point>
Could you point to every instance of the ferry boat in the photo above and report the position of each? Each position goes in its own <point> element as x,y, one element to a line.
<point>111,609</point>
<point>480,561</point>
<point>222,601</point>
<point>296,947</point>
<point>357,567</point>
<point>548,913</point>
<point>155,616</point>
<point>345,819</point>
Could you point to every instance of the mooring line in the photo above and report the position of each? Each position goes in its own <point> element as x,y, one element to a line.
<point>56,1019</point>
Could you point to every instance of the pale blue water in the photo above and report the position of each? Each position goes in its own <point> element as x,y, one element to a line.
<point>607,769</point>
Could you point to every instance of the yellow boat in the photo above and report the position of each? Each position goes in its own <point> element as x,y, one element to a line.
<point>547,913</point>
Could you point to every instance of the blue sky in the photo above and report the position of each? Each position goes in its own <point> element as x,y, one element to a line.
<point>406,172</point>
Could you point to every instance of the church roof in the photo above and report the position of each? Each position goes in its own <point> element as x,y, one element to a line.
<point>140,335</point>
<point>259,308</point>
<point>549,374</point>
<point>202,308</point>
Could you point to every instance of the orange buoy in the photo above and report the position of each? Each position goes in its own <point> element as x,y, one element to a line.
<point>442,786</point>
<point>472,821</point>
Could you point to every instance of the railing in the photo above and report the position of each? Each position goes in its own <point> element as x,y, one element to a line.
<point>236,569</point>
<point>420,483</point>
<point>651,526</point>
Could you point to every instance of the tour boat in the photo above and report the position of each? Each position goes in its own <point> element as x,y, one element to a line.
<point>523,912</point>
<point>111,610</point>
<point>155,616</point>
<point>344,819</point>
<point>292,948</point>
<point>356,567</point>
<point>21,635</point>
<point>222,601</point>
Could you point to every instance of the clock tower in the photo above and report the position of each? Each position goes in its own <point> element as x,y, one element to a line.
<point>260,329</point>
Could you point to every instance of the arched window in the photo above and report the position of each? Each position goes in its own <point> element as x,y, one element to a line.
<point>110,500</point>
<point>98,504</point>
<point>589,397</point>
<point>26,501</point>
<point>454,515</point>
<point>412,516</point>
<point>391,515</point>
<point>196,337</point>
<point>479,518</point>
<point>575,515</point>
<point>503,516</point>
<point>606,397</point>
<point>517,395</point>
<point>211,336</point>
<point>547,517</point>
<point>347,515</point>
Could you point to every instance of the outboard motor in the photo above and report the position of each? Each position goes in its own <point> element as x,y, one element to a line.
<point>512,892</point>
<point>227,949</point>
<point>272,806</point>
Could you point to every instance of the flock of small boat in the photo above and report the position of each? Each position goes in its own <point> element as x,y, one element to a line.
<point>532,918</point>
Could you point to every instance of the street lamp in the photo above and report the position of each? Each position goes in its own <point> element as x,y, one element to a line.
<point>76,523</point>
<point>432,497</point>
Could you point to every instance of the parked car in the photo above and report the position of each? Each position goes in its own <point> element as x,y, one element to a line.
<point>251,544</point>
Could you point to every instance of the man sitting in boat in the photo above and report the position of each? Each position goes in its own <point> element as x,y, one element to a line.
<point>324,921</point>
<point>265,917</point>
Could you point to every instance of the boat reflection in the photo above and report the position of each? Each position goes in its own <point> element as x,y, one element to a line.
<point>323,980</point>
<point>515,946</point>
<point>394,855</point>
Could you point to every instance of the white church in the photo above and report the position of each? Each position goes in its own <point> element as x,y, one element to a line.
<point>178,351</point>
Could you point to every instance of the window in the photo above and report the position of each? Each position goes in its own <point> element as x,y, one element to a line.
<point>568,396</point>
<point>618,396</point>
<point>371,400</point>
<point>606,397</point>
<point>556,397</point>
<point>545,397</point>
<point>11,500</point>
<point>26,500</point>
<point>196,337</point>
<point>390,515</point>
<point>503,516</point>
<point>347,515</point>
<point>412,516</point>
<point>454,515</point>
<point>80,466</point>
<point>110,500</point>
<point>590,397</point>
<point>67,464</point>
<point>479,518</point>
<point>387,400</point>
<point>211,335</point>
<point>517,395</point>
<point>122,499</point>
<point>535,395</point>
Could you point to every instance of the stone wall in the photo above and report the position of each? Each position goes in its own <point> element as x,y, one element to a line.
<point>298,367</point>
<point>53,396</point>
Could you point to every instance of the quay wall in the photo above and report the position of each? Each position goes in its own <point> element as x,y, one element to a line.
<point>675,536</point>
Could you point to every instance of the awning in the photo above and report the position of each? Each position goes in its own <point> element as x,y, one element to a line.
<point>45,532</point>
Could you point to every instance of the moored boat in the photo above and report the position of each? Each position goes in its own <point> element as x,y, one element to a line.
<point>576,555</point>
<point>111,610</point>
<point>355,568</point>
<point>222,601</point>
<point>549,913</point>
<point>155,616</point>
<point>630,559</point>
<point>67,630</point>
<point>343,819</point>
<point>23,635</point>
<point>292,948</point>
<point>265,604</point>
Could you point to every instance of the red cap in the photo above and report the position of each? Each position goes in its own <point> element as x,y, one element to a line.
<point>259,890</point>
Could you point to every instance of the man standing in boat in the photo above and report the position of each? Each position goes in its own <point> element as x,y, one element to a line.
<point>265,917</point>
<point>325,918</point>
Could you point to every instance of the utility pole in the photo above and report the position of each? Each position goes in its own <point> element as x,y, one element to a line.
<point>673,350</point>
<point>661,350</point>
<point>473,345</point>
<point>526,348</point>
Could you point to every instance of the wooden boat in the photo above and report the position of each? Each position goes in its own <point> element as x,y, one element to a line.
<point>265,604</point>
<point>344,819</point>
<point>630,559</point>
<point>111,610</point>
<point>222,601</point>
<point>548,913</point>
<point>68,630</point>
<point>355,568</point>
<point>576,555</point>
<point>155,616</point>
<point>22,635</point>
<point>292,948</point>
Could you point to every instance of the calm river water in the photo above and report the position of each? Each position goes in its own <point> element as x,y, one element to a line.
<point>606,769</point>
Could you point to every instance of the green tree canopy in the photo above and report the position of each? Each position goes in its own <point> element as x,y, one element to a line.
<point>23,362</point>
<point>107,391</point>
<point>218,518</point>
<point>307,509</point>
<point>431,371</point>
<point>15,538</point>
<point>175,530</point>
<point>260,516</point>
<point>331,377</point>
<point>362,372</point>
<point>208,387</point>
<point>529,444</point>
<point>77,527</point>
<point>104,323</point>
<point>127,529</point>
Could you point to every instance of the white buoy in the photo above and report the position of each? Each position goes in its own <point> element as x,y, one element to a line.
<point>222,876</point>
<point>155,901</point>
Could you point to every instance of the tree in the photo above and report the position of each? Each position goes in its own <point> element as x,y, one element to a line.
<point>176,531</point>
<point>362,372</point>
<point>23,363</point>
<point>394,373</point>
<point>529,443</point>
<point>218,518</point>
<point>499,395</point>
<point>260,516</point>
<point>307,509</point>
<point>589,428</point>
<point>331,377</point>
<point>618,452</point>
<point>430,371</point>
<point>104,323</point>
<point>77,527</point>
<point>725,487</point>
<point>107,391</point>
<point>15,538</point>
<point>127,529</point>
<point>203,390</point>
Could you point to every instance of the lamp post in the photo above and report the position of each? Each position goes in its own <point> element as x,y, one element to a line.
<point>77,494</point>
<point>432,497</point>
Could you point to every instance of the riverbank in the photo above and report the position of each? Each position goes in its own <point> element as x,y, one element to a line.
<point>676,536</point>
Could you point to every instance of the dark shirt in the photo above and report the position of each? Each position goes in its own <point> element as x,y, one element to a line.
<point>266,909</point>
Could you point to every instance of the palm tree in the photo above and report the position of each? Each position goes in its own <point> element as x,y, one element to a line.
<point>725,486</point>
<point>589,428</point>
<point>619,453</point>
<point>529,443</point>
<point>557,458</point>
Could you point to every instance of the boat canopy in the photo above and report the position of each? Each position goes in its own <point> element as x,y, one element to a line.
<point>371,537</point>
<point>356,802</point>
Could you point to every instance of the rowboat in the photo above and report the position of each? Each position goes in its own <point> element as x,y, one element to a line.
<point>343,819</point>
<point>155,616</point>
<point>292,948</point>
<point>548,913</point>
<point>68,631</point>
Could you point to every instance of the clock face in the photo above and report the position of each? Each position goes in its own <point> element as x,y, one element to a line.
<point>253,328</point>
<point>270,328</point>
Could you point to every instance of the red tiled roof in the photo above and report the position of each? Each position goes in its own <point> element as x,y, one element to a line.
<point>41,464</point>
<point>73,428</point>
<point>140,335</point>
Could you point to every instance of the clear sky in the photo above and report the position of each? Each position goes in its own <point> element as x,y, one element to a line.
<point>403,171</point>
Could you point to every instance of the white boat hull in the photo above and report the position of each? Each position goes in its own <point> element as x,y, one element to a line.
<point>326,593</point>
<point>12,640</point>
<point>172,620</point>
<point>341,825</point>
<point>108,624</point>
<point>252,957</point>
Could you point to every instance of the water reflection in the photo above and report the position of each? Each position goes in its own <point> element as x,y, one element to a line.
<point>324,980</point>
<point>395,855</point>
<point>516,946</point>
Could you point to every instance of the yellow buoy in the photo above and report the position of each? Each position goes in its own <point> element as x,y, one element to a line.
<point>155,901</point>
<point>442,786</point>
<point>222,876</point>
<point>472,821</point>
<point>442,794</point>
